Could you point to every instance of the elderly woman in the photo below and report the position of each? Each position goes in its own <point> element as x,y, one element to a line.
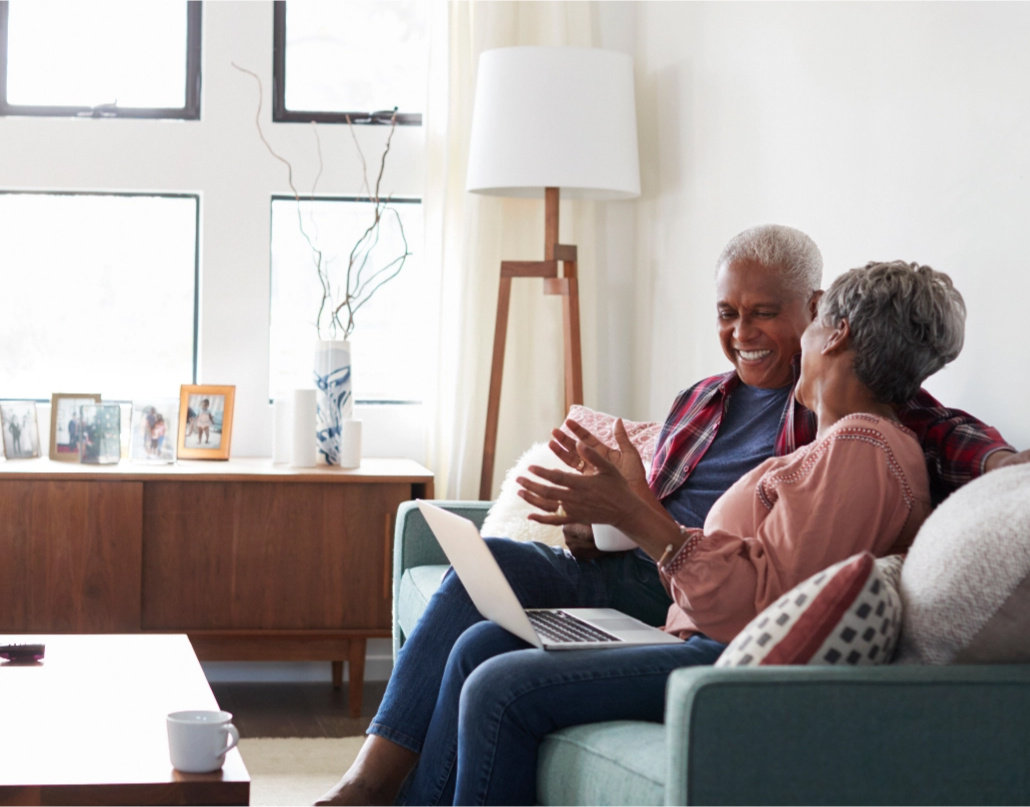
<point>860,486</point>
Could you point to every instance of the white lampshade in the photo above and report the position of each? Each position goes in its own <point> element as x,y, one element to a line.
<point>554,117</point>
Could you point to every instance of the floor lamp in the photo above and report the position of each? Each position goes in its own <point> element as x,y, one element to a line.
<point>550,121</point>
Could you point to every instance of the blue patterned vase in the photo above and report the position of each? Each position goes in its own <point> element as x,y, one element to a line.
<point>334,397</point>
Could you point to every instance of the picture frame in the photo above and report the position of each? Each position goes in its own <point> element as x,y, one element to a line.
<point>100,434</point>
<point>154,430</point>
<point>64,423</point>
<point>205,421</point>
<point>20,429</point>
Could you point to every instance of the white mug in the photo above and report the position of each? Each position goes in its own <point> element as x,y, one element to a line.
<point>611,539</point>
<point>197,741</point>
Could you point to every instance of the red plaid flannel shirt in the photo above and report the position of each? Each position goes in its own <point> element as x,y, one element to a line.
<point>955,443</point>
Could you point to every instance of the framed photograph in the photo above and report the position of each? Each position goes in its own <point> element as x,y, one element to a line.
<point>155,428</point>
<point>21,431</point>
<point>64,423</point>
<point>100,433</point>
<point>205,421</point>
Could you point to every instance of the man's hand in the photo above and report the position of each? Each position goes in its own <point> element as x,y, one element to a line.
<point>1004,458</point>
<point>579,538</point>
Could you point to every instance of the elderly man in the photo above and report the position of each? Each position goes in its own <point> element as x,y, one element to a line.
<point>767,289</point>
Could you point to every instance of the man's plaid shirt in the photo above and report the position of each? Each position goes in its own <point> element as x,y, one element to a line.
<point>955,443</point>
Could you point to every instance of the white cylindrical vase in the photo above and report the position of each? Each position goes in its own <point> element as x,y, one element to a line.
<point>334,397</point>
<point>350,443</point>
<point>303,451</point>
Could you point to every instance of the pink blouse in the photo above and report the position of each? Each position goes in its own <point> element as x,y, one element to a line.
<point>864,486</point>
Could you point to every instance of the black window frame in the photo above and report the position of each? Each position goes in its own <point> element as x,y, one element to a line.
<point>190,111</point>
<point>280,114</point>
<point>196,245</point>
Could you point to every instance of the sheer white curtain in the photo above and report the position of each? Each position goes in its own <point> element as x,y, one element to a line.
<point>469,235</point>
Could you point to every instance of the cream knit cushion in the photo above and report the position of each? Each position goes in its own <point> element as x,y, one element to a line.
<point>965,586</point>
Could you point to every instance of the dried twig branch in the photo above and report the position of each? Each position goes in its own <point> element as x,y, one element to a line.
<point>356,289</point>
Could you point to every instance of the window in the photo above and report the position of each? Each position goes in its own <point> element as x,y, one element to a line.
<point>361,59</point>
<point>104,58</point>
<point>336,63</point>
<point>387,363</point>
<point>99,294</point>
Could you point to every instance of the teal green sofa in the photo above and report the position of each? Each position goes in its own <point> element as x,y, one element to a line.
<point>775,735</point>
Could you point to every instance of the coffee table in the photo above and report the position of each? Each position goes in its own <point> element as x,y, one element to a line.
<point>87,724</point>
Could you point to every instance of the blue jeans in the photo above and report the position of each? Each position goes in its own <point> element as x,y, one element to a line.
<point>543,577</point>
<point>499,700</point>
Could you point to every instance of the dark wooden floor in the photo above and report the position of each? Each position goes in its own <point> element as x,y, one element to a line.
<point>296,710</point>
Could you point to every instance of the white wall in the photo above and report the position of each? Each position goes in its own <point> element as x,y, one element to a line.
<point>884,130</point>
<point>222,159</point>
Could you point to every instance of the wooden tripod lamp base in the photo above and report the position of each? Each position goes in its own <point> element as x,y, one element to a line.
<point>565,283</point>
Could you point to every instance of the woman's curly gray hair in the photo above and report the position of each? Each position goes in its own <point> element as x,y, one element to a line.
<point>907,321</point>
<point>777,246</point>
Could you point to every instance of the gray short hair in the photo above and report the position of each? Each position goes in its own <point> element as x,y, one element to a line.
<point>907,321</point>
<point>779,247</point>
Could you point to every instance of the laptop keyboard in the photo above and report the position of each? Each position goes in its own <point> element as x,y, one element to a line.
<point>557,626</point>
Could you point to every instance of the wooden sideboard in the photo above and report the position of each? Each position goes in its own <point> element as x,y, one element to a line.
<point>253,561</point>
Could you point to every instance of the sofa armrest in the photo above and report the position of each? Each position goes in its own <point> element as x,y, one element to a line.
<point>850,735</point>
<point>415,545</point>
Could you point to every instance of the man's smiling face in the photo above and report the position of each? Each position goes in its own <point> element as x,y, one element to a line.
<point>760,321</point>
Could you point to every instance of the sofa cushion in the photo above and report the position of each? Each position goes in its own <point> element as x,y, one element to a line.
<point>618,762</point>
<point>966,582</point>
<point>507,516</point>
<point>417,586</point>
<point>849,613</point>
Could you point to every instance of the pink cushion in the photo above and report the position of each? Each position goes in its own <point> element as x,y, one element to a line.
<point>642,434</point>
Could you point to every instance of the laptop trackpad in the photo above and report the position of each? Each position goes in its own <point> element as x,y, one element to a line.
<point>620,624</point>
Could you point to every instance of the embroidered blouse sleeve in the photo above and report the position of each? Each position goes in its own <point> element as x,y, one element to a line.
<point>848,495</point>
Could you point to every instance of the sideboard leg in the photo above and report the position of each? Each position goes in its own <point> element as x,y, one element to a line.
<point>337,674</point>
<point>357,675</point>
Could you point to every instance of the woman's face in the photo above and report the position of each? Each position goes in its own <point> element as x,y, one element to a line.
<point>813,362</point>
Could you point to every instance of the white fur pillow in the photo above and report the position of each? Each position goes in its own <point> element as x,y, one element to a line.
<point>507,516</point>
<point>965,585</point>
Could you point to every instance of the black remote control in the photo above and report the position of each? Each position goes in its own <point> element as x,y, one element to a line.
<point>22,652</point>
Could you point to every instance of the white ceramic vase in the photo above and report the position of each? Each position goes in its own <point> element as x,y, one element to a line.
<point>334,397</point>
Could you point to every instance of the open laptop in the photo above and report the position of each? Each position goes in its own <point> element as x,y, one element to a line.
<point>547,628</point>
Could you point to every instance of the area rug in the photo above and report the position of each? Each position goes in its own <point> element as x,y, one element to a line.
<point>295,771</point>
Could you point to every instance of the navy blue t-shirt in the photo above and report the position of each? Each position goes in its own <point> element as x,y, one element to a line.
<point>746,437</point>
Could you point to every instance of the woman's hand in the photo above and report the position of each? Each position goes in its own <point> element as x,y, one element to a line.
<point>602,494</point>
<point>625,458</point>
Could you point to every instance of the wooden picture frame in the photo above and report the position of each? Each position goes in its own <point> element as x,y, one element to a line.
<point>205,421</point>
<point>64,423</point>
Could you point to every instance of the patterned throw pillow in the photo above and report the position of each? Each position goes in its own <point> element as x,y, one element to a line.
<point>849,613</point>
